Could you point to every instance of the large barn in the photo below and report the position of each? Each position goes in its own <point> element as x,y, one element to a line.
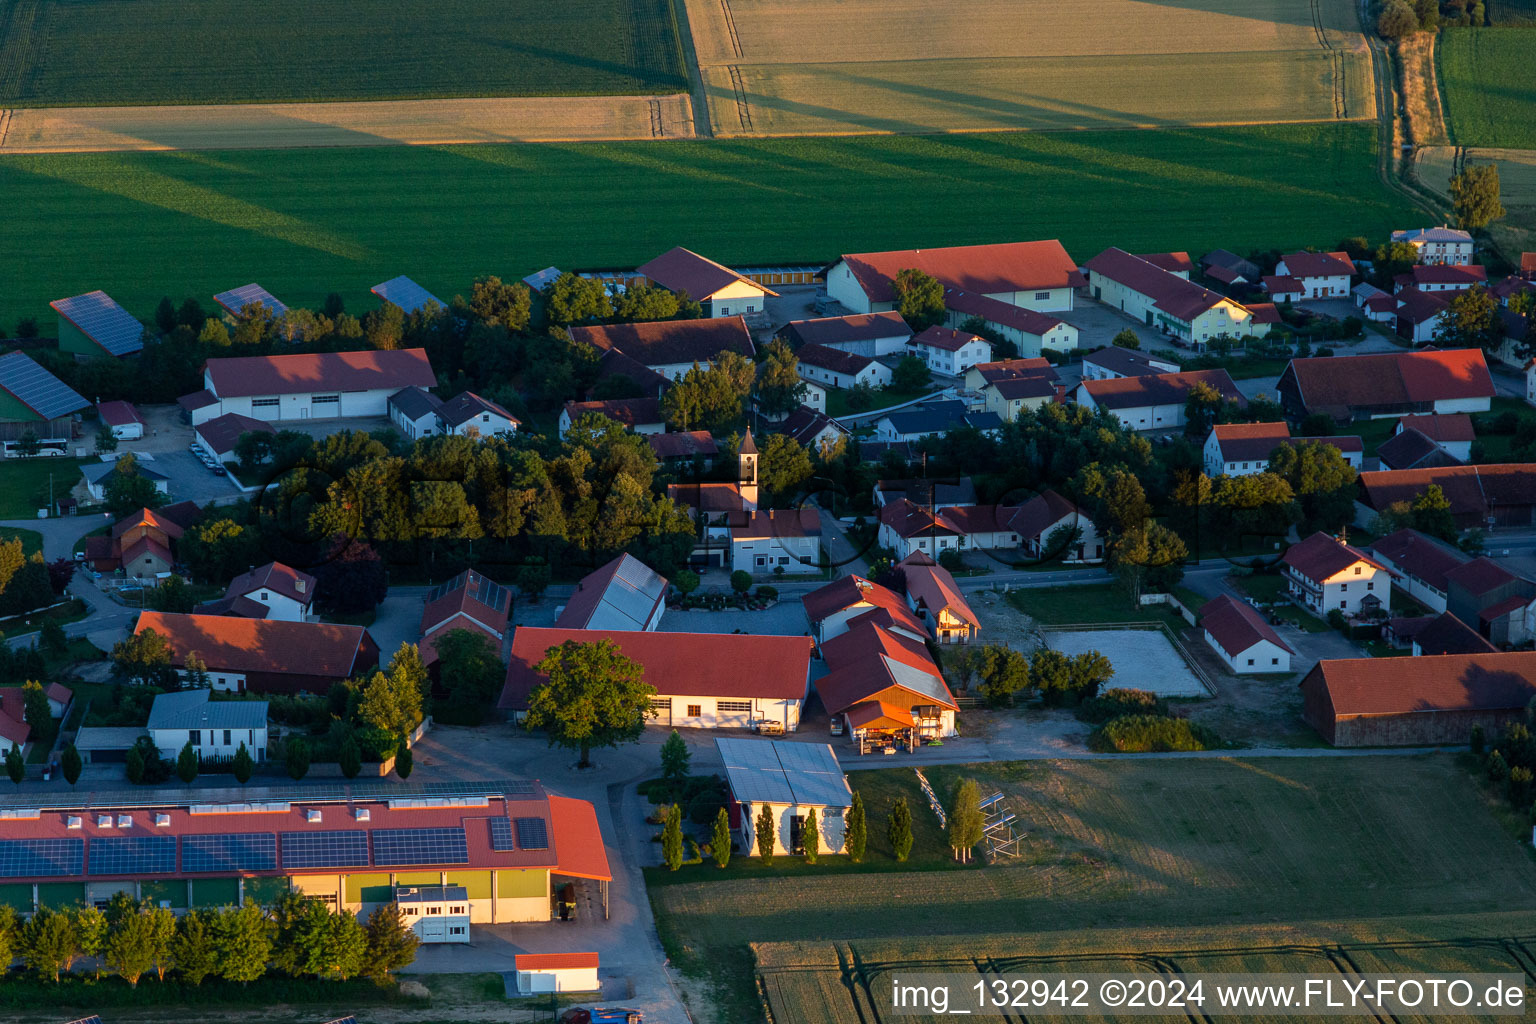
<point>317,385</point>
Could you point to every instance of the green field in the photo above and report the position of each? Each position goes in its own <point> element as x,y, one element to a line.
<point>108,52</point>
<point>1490,93</point>
<point>1269,850</point>
<point>307,222</point>
<point>24,484</point>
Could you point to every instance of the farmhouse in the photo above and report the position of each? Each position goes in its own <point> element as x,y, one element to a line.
<point>219,436</point>
<point>215,728</point>
<point>1240,636</point>
<point>1419,315</point>
<point>1435,699</point>
<point>1441,278</point>
<point>1322,275</point>
<point>1013,386</point>
<point>1229,268</point>
<point>1176,263</point>
<point>15,730</point>
<point>1451,432</point>
<point>1326,574</point>
<point>265,655</point>
<point>776,541</point>
<point>1493,495</point>
<point>1030,332</point>
<point>1437,246</point>
<point>671,347</point>
<point>1035,275</point>
<point>1420,563</point>
<point>982,527</point>
<point>317,385</point>
<point>1374,304</point>
<point>1492,600</point>
<point>721,290</point>
<point>1147,292</point>
<point>32,399</point>
<point>1037,520</point>
<point>142,544</point>
<point>1387,384</point>
<point>92,325</point>
<point>697,676</point>
<point>1155,402</point>
<point>862,334</point>
<point>1243,449</point>
<point>885,689</point>
<point>811,428</point>
<point>838,369</point>
<point>472,601</point>
<point>851,601</point>
<point>934,596</point>
<point>789,780</point>
<point>271,591</point>
<point>948,351</point>
<point>500,843</point>
<point>932,418</point>
<point>407,294</point>
<point>1112,362</point>
<point>122,419</point>
<point>235,301</point>
<point>640,415</point>
<point>1281,288</point>
<point>624,594</point>
<point>907,527</point>
<point>680,449</point>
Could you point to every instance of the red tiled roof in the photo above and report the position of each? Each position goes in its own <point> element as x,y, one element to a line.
<point>1391,378</point>
<point>1236,626</point>
<point>973,519</point>
<point>987,269</point>
<point>872,663</point>
<point>626,579</point>
<point>469,595</point>
<point>1480,575</point>
<point>58,692</point>
<point>1528,263</point>
<point>665,342</point>
<point>369,370</point>
<point>632,412</point>
<point>1159,389</point>
<point>1129,363</point>
<point>1179,298</point>
<point>579,847</point>
<point>1455,426</point>
<point>117,414</point>
<point>1226,275</point>
<point>1264,312</point>
<point>147,545</point>
<point>1041,513</point>
<point>1410,449</point>
<point>683,444</point>
<point>834,359</point>
<point>1017,369</point>
<point>708,497</point>
<point>676,664</point>
<point>794,522</point>
<point>1322,555</point>
<point>1417,306</point>
<point>13,723</point>
<point>683,270</point>
<point>909,519</point>
<point>1508,606</point>
<point>150,518</point>
<point>805,423</point>
<point>1318,264</point>
<point>221,432</point>
<point>1418,554</point>
<point>1004,314</point>
<point>614,363</point>
<point>931,585</point>
<point>945,338</point>
<point>1473,491</point>
<point>553,961</point>
<point>877,714</point>
<point>261,645</point>
<point>197,400</point>
<point>1447,273</point>
<point>467,405</point>
<point>1443,682</point>
<point>285,580</point>
<point>828,330</point>
<point>1173,262</point>
<point>1446,634</point>
<point>1280,284</point>
<point>852,591</point>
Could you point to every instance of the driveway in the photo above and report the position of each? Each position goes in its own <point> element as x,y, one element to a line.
<point>1097,324</point>
<point>190,480</point>
<point>398,620</point>
<point>784,618</point>
<point>61,535</point>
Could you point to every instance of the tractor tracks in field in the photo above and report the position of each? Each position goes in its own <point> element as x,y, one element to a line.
<point>5,127</point>
<point>1335,60</point>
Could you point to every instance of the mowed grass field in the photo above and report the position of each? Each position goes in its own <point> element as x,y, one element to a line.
<point>100,52</point>
<point>1490,92</point>
<point>1253,846</point>
<point>780,67</point>
<point>307,222</point>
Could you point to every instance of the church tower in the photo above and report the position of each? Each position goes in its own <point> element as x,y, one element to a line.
<point>746,475</point>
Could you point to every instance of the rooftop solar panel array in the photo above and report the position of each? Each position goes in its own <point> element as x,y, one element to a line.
<point>255,797</point>
<point>42,858</point>
<point>133,855</point>
<point>325,849</point>
<point>406,294</point>
<point>782,772</point>
<point>532,834</point>
<point>230,851</point>
<point>813,774</point>
<point>501,834</point>
<point>103,321</point>
<point>237,299</point>
<point>393,846</point>
<point>38,389</point>
<point>491,593</point>
<point>629,597</point>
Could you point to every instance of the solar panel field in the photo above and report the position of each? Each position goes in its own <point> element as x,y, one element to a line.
<point>101,52</point>
<point>1136,865</point>
<point>791,67</point>
<point>311,221</point>
<point>1490,93</point>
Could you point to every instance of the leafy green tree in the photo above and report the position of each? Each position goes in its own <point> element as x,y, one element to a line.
<point>352,578</point>
<point>1475,191</point>
<point>674,758</point>
<point>392,701</point>
<point>243,766</point>
<point>346,945</point>
<point>810,837</point>
<point>106,441</point>
<point>720,839</point>
<point>384,327</point>
<point>90,932</point>
<point>1089,671</point>
<point>644,302</point>
<point>145,657</point>
<point>186,763</point>
<point>686,581</point>
<point>1396,20</point>
<point>780,390</point>
<point>592,696</point>
<point>1432,514</point>
<point>472,672</point>
<point>162,934</point>
<point>856,830</point>
<point>533,578</point>
<point>405,762</point>
<point>766,832</point>
<point>919,299</point>
<point>29,444</point>
<point>911,374</point>
<point>349,758</point>
<point>53,640</point>
<point>391,945</point>
<point>133,765</point>
<point>194,950</point>
<point>572,299</point>
<point>15,764</point>
<point>965,820</point>
<point>1323,483</point>
<point>218,548</point>
<point>12,560</point>
<point>1203,408</point>
<point>1252,505</point>
<point>71,763</point>
<point>214,334</point>
<point>712,398</point>
<point>783,466</point>
<point>1471,321</point>
<point>296,757</point>
<point>672,838</point>
<point>165,315</point>
<point>1152,555</point>
<point>898,828</point>
<point>741,581</point>
<point>37,713</point>
<point>47,943</point>
<point>1127,338</point>
<point>129,949</point>
<point>126,490</point>
<point>495,302</point>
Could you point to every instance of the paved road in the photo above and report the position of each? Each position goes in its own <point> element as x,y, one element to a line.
<point>60,535</point>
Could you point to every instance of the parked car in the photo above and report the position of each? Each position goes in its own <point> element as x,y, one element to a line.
<point>837,725</point>
<point>768,727</point>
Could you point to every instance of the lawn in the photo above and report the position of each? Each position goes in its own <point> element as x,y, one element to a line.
<point>52,50</point>
<point>1093,603</point>
<point>837,400</point>
<point>308,222</point>
<point>1270,588</point>
<point>1165,845</point>
<point>31,540</point>
<point>1490,94</point>
<point>24,484</point>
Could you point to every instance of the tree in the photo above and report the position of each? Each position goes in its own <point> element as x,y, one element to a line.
<point>1127,338</point>
<point>244,943</point>
<point>52,639</point>
<point>165,315</point>
<point>349,758</point>
<point>1202,409</point>
<point>509,305</point>
<point>472,672</point>
<point>133,764</point>
<point>346,945</point>
<point>1475,195</point>
<point>15,764</point>
<point>533,578</point>
<point>29,444</point>
<point>392,701</point>
<point>126,489</point>
<point>672,839</point>
<point>780,390</point>
<point>48,943</point>
<point>145,657</point>
<point>172,595</point>
<point>405,762</point>
<point>592,696</point>
<point>919,299</point>
<point>1087,672</point>
<point>1150,556</point>
<point>898,828</point>
<point>296,756</point>
<point>712,398</point>
<point>1427,12</point>
<point>674,758</point>
<point>1471,321</point>
<point>194,950</point>
<point>90,932</point>
<point>390,944</point>
<point>162,933</point>
<point>37,713</point>
<point>855,830</point>
<point>1252,505</point>
<point>810,837</point>
<point>130,947</point>
<point>12,560</point>
<point>106,440</point>
<point>783,466</point>
<point>965,820</point>
<point>741,581</point>
<point>765,831</point>
<point>60,572</point>
<point>1396,20</point>
<point>186,763</point>
<point>10,934</point>
<point>214,334</point>
<point>1432,514</point>
<point>572,299</point>
<point>645,302</point>
<point>686,581</point>
<point>244,766</point>
<point>70,763</point>
<point>911,374</point>
<point>720,839</point>
<point>352,579</point>
<point>1323,483</point>
<point>1000,672</point>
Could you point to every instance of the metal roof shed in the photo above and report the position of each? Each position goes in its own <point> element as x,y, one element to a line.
<point>30,394</point>
<point>93,324</point>
<point>237,299</point>
<point>406,294</point>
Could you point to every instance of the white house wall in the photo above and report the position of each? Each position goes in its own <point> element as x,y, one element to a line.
<point>830,826</point>
<point>674,711</point>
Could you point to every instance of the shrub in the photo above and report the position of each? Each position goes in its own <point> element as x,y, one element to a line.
<point>1478,741</point>
<point>1519,786</point>
<point>1116,703</point>
<point>1497,770</point>
<point>768,593</point>
<point>741,581</point>
<point>1337,620</point>
<point>1151,734</point>
<point>703,808</point>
